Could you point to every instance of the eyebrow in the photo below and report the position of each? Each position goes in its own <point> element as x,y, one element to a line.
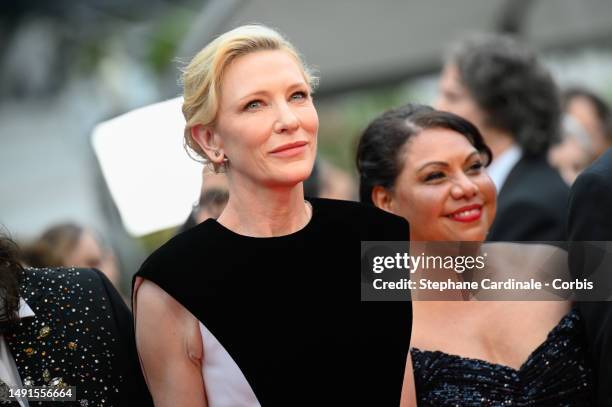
<point>445,164</point>
<point>296,85</point>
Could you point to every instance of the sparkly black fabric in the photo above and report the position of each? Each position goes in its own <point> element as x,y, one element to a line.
<point>81,336</point>
<point>555,374</point>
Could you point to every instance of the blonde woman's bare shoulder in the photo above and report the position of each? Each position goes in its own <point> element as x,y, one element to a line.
<point>170,347</point>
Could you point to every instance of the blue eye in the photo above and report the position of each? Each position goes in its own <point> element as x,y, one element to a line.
<point>254,104</point>
<point>299,95</point>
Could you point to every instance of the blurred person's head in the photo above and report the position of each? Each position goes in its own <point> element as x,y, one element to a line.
<point>247,97</point>
<point>71,245</point>
<point>335,183</point>
<point>503,88</point>
<point>213,196</point>
<point>428,167</point>
<point>575,151</point>
<point>10,276</point>
<point>312,184</point>
<point>593,113</point>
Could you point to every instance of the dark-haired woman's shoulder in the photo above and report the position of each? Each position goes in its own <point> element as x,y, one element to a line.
<point>363,220</point>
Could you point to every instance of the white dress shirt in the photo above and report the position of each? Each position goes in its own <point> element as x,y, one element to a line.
<point>500,167</point>
<point>8,369</point>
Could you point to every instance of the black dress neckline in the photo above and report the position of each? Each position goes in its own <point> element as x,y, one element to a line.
<point>214,223</point>
<point>556,373</point>
<point>568,319</point>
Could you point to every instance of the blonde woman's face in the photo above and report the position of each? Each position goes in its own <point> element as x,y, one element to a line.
<point>267,124</point>
<point>443,190</point>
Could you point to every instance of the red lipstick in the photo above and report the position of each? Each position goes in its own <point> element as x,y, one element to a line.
<point>468,213</point>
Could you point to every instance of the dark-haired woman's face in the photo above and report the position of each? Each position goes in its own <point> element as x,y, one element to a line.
<point>454,97</point>
<point>443,190</point>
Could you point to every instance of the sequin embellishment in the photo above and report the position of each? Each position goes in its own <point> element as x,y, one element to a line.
<point>555,374</point>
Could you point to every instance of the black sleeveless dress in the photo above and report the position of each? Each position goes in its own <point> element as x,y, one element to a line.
<point>287,308</point>
<point>558,373</point>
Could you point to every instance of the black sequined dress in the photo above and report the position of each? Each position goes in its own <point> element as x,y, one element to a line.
<point>557,373</point>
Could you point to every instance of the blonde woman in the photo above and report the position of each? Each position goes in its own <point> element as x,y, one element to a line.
<point>259,307</point>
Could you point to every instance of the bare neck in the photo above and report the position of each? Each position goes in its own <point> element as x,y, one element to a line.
<point>265,212</point>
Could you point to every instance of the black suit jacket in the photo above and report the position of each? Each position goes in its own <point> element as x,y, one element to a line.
<point>532,204</point>
<point>589,220</point>
<point>81,335</point>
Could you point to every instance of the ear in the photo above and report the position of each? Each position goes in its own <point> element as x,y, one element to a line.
<point>209,142</point>
<point>383,199</point>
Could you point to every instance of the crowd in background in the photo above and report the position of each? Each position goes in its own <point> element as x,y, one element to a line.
<point>535,138</point>
<point>582,134</point>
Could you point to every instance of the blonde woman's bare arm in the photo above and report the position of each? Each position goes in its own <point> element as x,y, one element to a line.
<point>170,348</point>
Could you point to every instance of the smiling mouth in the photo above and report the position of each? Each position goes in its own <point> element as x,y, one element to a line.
<point>289,150</point>
<point>289,146</point>
<point>468,214</point>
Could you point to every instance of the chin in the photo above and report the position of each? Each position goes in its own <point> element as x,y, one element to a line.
<point>296,173</point>
<point>299,169</point>
<point>467,232</point>
<point>476,234</point>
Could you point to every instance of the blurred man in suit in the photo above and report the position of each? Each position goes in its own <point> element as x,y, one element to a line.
<point>590,220</point>
<point>501,87</point>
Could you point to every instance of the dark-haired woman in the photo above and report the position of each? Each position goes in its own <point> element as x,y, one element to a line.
<point>428,167</point>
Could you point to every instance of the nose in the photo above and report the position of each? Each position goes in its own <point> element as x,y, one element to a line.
<point>286,121</point>
<point>463,188</point>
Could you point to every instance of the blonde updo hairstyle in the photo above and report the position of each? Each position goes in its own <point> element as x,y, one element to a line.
<point>202,77</point>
